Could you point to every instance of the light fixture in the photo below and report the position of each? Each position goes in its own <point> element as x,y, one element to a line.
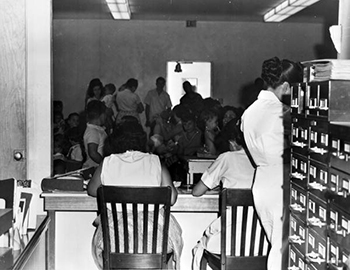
<point>286,9</point>
<point>119,9</point>
<point>178,67</point>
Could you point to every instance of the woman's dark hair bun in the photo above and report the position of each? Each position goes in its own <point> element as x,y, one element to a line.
<point>275,72</point>
<point>271,71</point>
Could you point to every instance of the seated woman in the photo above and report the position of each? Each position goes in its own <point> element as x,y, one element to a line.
<point>234,170</point>
<point>169,124</point>
<point>209,125</point>
<point>188,143</point>
<point>127,164</point>
<point>226,136</point>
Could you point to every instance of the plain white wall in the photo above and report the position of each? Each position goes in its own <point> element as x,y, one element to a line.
<point>115,51</point>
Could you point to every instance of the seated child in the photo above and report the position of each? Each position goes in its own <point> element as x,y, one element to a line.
<point>76,151</point>
<point>59,124</point>
<point>72,120</point>
<point>188,143</point>
<point>60,148</point>
<point>95,133</point>
<point>167,130</point>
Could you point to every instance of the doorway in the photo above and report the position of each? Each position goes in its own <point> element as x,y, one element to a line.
<point>197,73</point>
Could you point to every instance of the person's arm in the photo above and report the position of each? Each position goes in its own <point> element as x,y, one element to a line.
<point>167,182</point>
<point>95,182</point>
<point>209,142</point>
<point>199,189</point>
<point>93,154</point>
<point>212,176</point>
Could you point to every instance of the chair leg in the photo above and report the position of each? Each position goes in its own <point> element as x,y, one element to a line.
<point>170,263</point>
<point>204,263</point>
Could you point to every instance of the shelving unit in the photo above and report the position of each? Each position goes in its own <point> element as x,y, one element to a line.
<point>319,231</point>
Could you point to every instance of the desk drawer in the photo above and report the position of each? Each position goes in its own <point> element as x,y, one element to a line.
<point>298,202</point>
<point>296,259</point>
<point>297,234</point>
<point>316,250</point>
<point>300,135</point>
<point>318,179</point>
<point>299,170</point>
<point>317,215</point>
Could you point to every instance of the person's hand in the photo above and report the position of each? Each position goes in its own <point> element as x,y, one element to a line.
<point>170,145</point>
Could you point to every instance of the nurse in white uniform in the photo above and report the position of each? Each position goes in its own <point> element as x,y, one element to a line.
<point>264,129</point>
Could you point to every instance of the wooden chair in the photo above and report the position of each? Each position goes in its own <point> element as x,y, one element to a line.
<point>134,201</point>
<point>7,189</point>
<point>253,246</point>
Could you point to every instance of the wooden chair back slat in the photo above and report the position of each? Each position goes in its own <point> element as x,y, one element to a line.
<point>261,242</point>
<point>125,227</point>
<point>115,226</point>
<point>145,228</point>
<point>155,229</point>
<point>233,231</point>
<point>253,234</point>
<point>135,227</point>
<point>130,198</point>
<point>244,229</point>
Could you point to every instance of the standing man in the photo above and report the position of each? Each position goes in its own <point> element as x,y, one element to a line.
<point>157,101</point>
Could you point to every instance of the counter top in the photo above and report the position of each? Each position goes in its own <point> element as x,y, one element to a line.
<point>81,201</point>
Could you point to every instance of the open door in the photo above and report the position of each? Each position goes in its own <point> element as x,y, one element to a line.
<point>13,92</point>
<point>197,73</point>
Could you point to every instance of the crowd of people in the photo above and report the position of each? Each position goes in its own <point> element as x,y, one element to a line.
<point>249,146</point>
<point>195,126</point>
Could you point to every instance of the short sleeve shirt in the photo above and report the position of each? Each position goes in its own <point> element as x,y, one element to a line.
<point>97,135</point>
<point>127,101</point>
<point>233,169</point>
<point>157,102</point>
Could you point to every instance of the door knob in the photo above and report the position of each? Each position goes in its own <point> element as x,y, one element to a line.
<point>18,155</point>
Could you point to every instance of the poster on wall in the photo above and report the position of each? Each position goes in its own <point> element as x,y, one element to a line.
<point>197,73</point>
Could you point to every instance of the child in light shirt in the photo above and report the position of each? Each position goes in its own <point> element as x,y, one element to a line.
<point>95,133</point>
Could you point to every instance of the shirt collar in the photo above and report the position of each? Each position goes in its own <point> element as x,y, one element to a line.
<point>95,126</point>
<point>268,95</point>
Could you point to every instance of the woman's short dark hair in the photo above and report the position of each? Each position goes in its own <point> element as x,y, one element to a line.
<point>275,72</point>
<point>94,109</point>
<point>132,83</point>
<point>128,136</point>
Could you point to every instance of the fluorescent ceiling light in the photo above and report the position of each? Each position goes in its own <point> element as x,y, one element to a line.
<point>119,9</point>
<point>286,9</point>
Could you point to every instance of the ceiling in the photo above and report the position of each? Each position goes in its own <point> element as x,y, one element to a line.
<point>200,10</point>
